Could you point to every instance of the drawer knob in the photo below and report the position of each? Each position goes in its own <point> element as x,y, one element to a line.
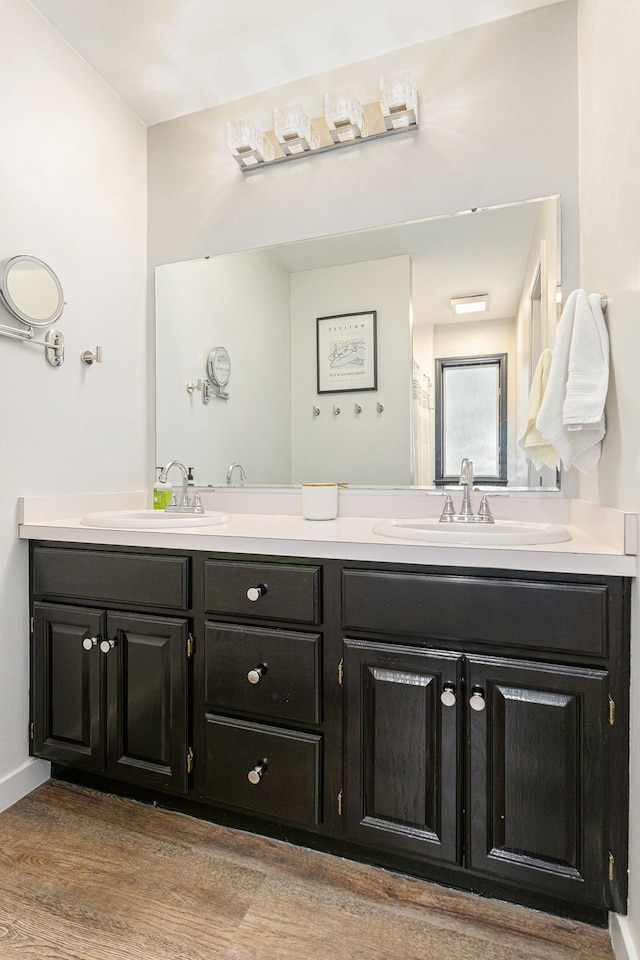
<point>448,695</point>
<point>255,776</point>
<point>90,642</point>
<point>254,593</point>
<point>477,701</point>
<point>107,645</point>
<point>256,675</point>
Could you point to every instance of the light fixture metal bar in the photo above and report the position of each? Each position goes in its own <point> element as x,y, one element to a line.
<point>330,146</point>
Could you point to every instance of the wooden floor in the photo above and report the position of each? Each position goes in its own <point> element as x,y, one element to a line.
<point>86,876</point>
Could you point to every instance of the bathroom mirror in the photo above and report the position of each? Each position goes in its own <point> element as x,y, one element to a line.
<point>31,291</point>
<point>264,304</point>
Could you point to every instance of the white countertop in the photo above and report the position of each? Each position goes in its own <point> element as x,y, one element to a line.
<point>599,535</point>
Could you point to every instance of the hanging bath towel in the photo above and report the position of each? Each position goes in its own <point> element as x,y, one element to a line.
<point>571,415</point>
<point>536,447</point>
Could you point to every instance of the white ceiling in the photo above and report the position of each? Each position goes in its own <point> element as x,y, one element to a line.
<point>167,58</point>
<point>455,256</point>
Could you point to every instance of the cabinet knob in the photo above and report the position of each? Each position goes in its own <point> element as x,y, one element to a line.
<point>448,695</point>
<point>256,675</point>
<point>107,645</point>
<point>477,701</point>
<point>254,593</point>
<point>255,776</point>
<point>90,642</point>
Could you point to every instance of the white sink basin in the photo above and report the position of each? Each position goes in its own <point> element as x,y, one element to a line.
<point>151,519</point>
<point>500,533</point>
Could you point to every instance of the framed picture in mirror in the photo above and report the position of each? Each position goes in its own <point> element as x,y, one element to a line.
<point>346,347</point>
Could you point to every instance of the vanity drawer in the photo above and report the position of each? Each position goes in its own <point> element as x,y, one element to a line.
<point>284,763</point>
<point>274,673</point>
<point>542,615</point>
<point>281,591</point>
<point>143,580</point>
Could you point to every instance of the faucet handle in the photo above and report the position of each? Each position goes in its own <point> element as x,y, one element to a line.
<point>448,510</point>
<point>484,510</point>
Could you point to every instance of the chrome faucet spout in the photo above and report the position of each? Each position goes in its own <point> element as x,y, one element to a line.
<point>240,469</point>
<point>466,482</point>
<point>183,506</point>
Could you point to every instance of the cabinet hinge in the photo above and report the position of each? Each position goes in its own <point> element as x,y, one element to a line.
<point>32,730</point>
<point>611,865</point>
<point>189,647</point>
<point>189,760</point>
<point>612,711</point>
<point>340,804</point>
<point>341,672</point>
<point>33,624</point>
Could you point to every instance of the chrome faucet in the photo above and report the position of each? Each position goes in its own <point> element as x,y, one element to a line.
<point>240,469</point>
<point>185,505</point>
<point>466,514</point>
<point>466,482</point>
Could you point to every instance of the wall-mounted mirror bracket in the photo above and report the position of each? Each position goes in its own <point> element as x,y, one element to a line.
<point>53,343</point>
<point>204,386</point>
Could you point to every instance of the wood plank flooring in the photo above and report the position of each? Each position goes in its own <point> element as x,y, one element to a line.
<point>89,876</point>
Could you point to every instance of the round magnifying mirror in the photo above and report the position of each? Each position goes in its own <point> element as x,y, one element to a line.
<point>31,291</point>
<point>219,366</point>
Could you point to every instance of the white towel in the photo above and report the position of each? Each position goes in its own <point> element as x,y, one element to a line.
<point>536,447</point>
<point>571,415</point>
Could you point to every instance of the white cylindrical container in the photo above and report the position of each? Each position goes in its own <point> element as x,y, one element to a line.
<point>319,501</point>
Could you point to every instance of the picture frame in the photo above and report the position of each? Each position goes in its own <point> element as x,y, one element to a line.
<point>346,352</point>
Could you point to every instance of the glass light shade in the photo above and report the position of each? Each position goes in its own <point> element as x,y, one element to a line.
<point>399,100</point>
<point>247,142</point>
<point>294,130</point>
<point>344,115</point>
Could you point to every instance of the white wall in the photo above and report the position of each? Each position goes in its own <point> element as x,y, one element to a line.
<point>72,169</point>
<point>240,302</point>
<point>353,447</point>
<point>609,40</point>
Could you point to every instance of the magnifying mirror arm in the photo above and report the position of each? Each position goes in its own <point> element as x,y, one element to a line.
<point>53,343</point>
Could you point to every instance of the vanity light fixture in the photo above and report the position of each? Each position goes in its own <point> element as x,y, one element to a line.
<point>346,121</point>
<point>248,143</point>
<point>344,115</point>
<point>399,101</point>
<point>475,304</point>
<point>293,129</point>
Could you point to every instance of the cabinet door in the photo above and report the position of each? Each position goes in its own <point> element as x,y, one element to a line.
<point>402,753</point>
<point>67,691</point>
<point>536,775</point>
<point>147,700</point>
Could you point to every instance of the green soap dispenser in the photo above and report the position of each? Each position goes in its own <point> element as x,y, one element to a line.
<point>162,491</point>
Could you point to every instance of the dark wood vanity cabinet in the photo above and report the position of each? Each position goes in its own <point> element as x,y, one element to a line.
<point>465,726</point>
<point>109,687</point>
<point>506,763</point>
<point>260,683</point>
<point>493,763</point>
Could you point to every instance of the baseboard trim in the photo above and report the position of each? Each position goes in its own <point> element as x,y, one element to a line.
<point>18,784</point>
<point>622,940</point>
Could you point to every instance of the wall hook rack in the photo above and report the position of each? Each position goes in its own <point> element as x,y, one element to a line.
<point>53,343</point>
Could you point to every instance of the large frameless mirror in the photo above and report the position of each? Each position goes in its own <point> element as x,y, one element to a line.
<point>264,305</point>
